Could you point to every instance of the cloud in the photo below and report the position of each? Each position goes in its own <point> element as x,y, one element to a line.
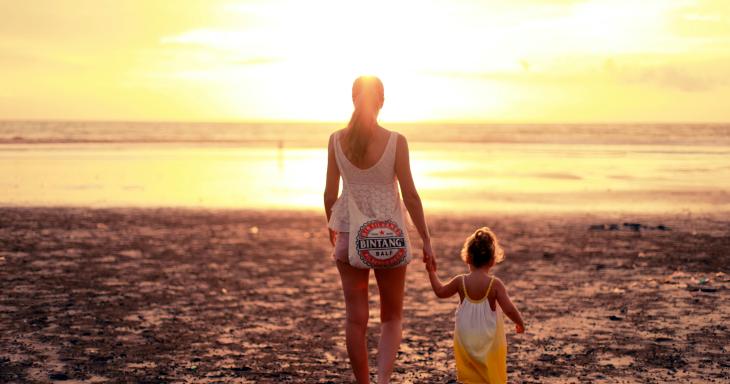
<point>207,37</point>
<point>521,72</point>
<point>525,65</point>
<point>672,77</point>
<point>557,175</point>
<point>708,19</point>
<point>671,72</point>
<point>258,60</point>
<point>685,77</point>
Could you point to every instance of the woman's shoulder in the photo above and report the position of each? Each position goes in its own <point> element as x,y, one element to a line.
<point>401,143</point>
<point>337,132</point>
<point>400,136</point>
<point>335,135</point>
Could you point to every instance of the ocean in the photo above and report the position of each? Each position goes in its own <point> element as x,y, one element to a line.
<point>459,168</point>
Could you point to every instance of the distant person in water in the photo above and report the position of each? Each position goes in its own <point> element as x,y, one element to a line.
<point>370,159</point>
<point>480,345</point>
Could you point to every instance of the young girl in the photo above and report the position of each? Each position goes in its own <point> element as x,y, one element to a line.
<point>480,346</point>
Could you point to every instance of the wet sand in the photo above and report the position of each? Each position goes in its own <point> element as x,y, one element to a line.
<point>172,295</point>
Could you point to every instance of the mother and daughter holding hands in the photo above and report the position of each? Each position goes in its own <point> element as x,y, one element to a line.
<point>367,230</point>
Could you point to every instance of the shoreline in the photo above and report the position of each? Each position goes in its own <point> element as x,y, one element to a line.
<point>721,215</point>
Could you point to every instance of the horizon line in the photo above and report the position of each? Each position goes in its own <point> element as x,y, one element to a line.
<point>384,122</point>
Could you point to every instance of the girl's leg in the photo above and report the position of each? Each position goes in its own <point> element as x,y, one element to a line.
<point>391,284</point>
<point>355,288</point>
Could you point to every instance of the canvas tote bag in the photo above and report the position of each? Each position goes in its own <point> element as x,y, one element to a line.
<point>378,243</point>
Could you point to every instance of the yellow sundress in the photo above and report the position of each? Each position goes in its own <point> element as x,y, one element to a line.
<point>480,345</point>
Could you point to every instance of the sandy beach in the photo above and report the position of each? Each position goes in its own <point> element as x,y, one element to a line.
<point>174,295</point>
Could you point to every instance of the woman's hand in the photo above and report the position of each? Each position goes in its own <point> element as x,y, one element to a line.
<point>333,236</point>
<point>428,256</point>
<point>519,328</point>
<point>430,265</point>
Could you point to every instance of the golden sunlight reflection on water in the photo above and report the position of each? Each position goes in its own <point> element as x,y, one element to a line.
<point>459,177</point>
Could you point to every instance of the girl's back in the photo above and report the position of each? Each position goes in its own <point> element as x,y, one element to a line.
<point>478,286</point>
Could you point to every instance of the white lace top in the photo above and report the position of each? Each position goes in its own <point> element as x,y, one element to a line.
<point>374,189</point>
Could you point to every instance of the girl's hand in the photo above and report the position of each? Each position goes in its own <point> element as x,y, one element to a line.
<point>519,328</point>
<point>431,265</point>
<point>428,256</point>
<point>333,236</point>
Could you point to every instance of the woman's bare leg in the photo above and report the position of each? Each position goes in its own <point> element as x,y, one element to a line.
<point>355,288</point>
<point>391,284</point>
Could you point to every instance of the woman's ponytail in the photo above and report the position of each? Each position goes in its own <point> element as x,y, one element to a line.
<point>368,97</point>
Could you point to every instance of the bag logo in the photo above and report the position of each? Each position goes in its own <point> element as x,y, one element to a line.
<point>381,243</point>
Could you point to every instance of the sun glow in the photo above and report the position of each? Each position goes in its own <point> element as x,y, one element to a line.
<point>526,60</point>
<point>324,51</point>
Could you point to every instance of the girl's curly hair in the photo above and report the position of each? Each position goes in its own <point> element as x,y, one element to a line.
<point>481,248</point>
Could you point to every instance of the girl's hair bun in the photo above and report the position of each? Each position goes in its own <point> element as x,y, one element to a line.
<point>481,248</point>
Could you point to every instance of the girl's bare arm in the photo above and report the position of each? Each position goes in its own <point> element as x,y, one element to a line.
<point>443,291</point>
<point>507,306</point>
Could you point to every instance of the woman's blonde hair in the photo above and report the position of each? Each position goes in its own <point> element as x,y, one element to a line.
<point>368,96</point>
<point>481,247</point>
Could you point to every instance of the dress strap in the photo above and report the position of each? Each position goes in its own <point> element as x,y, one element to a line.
<point>339,156</point>
<point>490,287</point>
<point>392,139</point>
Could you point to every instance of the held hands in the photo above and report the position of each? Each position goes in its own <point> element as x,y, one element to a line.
<point>428,257</point>
<point>431,266</point>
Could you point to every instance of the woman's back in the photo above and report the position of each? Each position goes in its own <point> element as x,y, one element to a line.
<point>376,146</point>
<point>373,188</point>
<point>378,163</point>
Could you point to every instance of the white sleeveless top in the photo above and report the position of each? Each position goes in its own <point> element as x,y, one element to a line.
<point>374,189</point>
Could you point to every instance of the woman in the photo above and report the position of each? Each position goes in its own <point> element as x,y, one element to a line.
<point>376,158</point>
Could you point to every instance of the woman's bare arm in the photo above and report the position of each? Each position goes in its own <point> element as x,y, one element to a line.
<point>332,186</point>
<point>411,199</point>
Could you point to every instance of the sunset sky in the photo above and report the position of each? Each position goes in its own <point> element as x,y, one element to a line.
<point>518,60</point>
